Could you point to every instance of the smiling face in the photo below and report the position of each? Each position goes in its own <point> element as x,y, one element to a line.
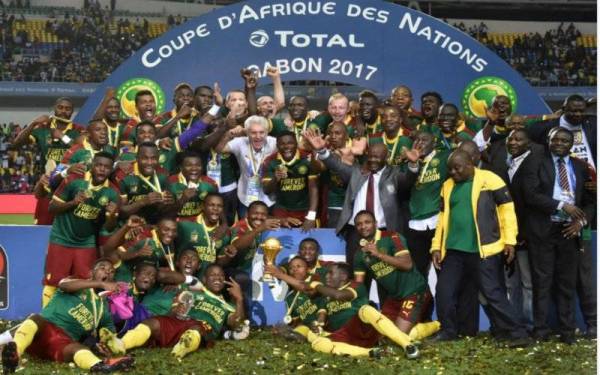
<point>287,146</point>
<point>561,143</point>
<point>391,120</point>
<point>517,143</point>
<point>402,97</point>
<point>365,225</point>
<point>338,108</point>
<point>214,279</point>
<point>236,102</point>
<point>502,104</point>
<point>191,168</point>
<point>145,133</point>
<point>257,135</point>
<point>376,157</point>
<point>257,214</point>
<point>298,269</point>
<point>112,110</point>
<point>103,271</point>
<point>188,262</point>
<point>309,250</point>
<point>167,231</point>
<point>298,108</point>
<point>147,160</point>
<point>447,119</point>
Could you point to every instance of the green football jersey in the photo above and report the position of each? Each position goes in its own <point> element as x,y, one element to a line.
<point>79,314</point>
<point>198,235</point>
<point>78,227</point>
<point>293,192</point>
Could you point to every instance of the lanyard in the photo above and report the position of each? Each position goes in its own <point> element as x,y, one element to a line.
<point>255,165</point>
<point>396,142</point>
<point>112,141</point>
<point>96,314</point>
<point>297,128</point>
<point>207,235</point>
<point>156,186</point>
<point>167,253</point>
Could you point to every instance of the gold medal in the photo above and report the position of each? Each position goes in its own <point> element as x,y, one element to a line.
<point>363,242</point>
<point>88,194</point>
<point>287,319</point>
<point>213,164</point>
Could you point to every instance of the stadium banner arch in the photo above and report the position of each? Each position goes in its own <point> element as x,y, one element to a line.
<point>368,43</point>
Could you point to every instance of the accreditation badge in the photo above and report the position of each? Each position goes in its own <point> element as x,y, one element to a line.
<point>253,190</point>
<point>213,170</point>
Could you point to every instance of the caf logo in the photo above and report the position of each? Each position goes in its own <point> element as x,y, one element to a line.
<point>259,38</point>
<point>194,236</point>
<point>480,93</point>
<point>303,169</point>
<point>162,158</point>
<point>435,162</point>
<point>127,91</point>
<point>103,201</point>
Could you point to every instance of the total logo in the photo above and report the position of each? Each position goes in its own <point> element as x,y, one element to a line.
<point>289,38</point>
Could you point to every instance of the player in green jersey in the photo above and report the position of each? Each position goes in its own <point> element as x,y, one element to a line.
<point>81,207</point>
<point>75,312</point>
<point>197,317</point>
<point>385,258</point>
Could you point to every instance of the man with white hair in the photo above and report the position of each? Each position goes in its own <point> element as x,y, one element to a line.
<point>250,152</point>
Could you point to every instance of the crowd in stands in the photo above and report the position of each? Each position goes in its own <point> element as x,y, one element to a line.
<point>19,168</point>
<point>93,43</point>
<point>555,58</point>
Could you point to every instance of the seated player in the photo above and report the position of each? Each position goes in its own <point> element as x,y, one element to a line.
<point>309,250</point>
<point>301,307</point>
<point>196,319</point>
<point>190,186</point>
<point>404,292</point>
<point>355,325</point>
<point>74,312</point>
<point>81,206</point>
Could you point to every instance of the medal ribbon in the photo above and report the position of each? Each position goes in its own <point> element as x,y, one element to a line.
<point>167,253</point>
<point>156,186</point>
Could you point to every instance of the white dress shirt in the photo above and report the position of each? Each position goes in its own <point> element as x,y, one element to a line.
<point>360,203</point>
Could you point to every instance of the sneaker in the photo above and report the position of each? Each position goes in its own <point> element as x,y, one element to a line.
<point>411,352</point>
<point>376,353</point>
<point>521,342</point>
<point>111,340</point>
<point>112,365</point>
<point>10,358</point>
<point>184,345</point>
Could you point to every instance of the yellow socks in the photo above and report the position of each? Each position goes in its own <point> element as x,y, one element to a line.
<point>383,325</point>
<point>24,335</point>
<point>137,336</point>
<point>188,342</point>
<point>85,359</point>
<point>111,340</point>
<point>47,294</point>
<point>423,330</point>
<point>325,345</point>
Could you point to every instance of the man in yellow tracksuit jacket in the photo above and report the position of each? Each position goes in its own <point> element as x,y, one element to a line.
<point>476,227</point>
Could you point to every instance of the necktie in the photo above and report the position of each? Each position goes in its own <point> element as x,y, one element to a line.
<point>371,194</point>
<point>563,178</point>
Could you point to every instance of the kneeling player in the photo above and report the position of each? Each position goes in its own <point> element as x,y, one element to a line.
<point>201,324</point>
<point>74,312</point>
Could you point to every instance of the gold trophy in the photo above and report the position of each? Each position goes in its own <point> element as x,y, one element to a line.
<point>271,247</point>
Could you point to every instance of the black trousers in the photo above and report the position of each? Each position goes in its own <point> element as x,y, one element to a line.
<point>554,262</point>
<point>419,244</point>
<point>586,284</point>
<point>456,292</point>
<point>230,205</point>
<point>459,269</point>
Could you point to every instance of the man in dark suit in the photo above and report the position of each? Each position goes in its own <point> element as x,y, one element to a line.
<point>507,162</point>
<point>557,208</point>
<point>374,187</point>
